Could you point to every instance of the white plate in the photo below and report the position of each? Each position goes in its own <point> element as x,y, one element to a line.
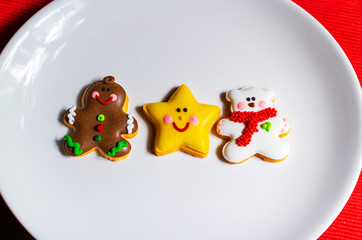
<point>152,47</point>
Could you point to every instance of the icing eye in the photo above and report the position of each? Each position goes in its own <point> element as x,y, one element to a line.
<point>178,109</point>
<point>185,109</point>
<point>248,99</point>
<point>103,89</point>
<point>108,89</point>
<point>253,98</point>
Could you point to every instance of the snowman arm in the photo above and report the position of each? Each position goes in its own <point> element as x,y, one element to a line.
<point>285,126</point>
<point>225,127</point>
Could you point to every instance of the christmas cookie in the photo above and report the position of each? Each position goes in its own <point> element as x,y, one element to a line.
<point>182,123</point>
<point>254,127</point>
<point>101,123</point>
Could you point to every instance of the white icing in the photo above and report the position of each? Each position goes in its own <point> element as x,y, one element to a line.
<point>130,124</point>
<point>286,127</point>
<point>71,114</point>
<point>267,144</point>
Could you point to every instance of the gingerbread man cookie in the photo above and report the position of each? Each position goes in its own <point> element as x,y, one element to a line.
<point>253,127</point>
<point>101,123</point>
<point>182,123</point>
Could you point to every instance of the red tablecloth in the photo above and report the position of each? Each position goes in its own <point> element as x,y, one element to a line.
<point>343,19</point>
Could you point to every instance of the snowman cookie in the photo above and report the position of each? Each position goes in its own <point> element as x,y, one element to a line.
<point>101,123</point>
<point>254,127</point>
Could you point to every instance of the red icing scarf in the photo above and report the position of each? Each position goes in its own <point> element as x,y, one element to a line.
<point>251,121</point>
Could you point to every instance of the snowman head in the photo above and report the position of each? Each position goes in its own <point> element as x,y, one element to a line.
<point>250,99</point>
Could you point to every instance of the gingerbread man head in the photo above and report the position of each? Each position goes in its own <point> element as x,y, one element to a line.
<point>106,92</point>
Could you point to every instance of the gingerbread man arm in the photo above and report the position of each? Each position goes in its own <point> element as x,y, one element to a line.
<point>70,116</point>
<point>132,125</point>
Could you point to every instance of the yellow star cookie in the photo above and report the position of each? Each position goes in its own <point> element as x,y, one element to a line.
<point>182,123</point>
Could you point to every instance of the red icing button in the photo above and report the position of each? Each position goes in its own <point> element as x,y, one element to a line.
<point>99,127</point>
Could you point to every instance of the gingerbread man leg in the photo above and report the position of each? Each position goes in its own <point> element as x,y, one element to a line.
<point>75,145</point>
<point>115,150</point>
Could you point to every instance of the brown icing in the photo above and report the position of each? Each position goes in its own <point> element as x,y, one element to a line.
<point>111,130</point>
<point>251,104</point>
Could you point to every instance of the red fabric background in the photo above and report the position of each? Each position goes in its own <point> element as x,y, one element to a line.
<point>342,18</point>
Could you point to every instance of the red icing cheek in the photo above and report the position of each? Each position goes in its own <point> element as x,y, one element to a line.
<point>194,119</point>
<point>167,119</point>
<point>241,105</point>
<point>262,104</point>
<point>114,97</point>
<point>95,94</point>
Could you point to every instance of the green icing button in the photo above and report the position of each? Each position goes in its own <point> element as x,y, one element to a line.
<point>97,138</point>
<point>100,117</point>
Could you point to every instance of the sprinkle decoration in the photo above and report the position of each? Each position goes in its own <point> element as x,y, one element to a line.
<point>251,121</point>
